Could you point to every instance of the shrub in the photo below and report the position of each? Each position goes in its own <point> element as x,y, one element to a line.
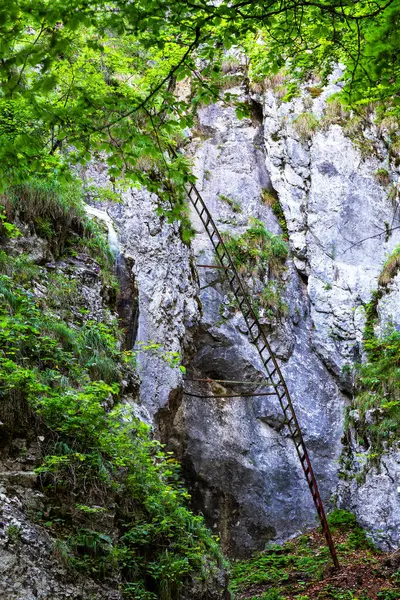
<point>257,250</point>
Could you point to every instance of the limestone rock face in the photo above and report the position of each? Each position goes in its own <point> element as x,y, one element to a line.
<point>238,461</point>
<point>336,213</point>
<point>342,226</point>
<point>167,307</point>
<point>242,467</point>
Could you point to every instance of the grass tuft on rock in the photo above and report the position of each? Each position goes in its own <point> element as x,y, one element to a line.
<point>390,268</point>
<point>257,250</point>
<point>305,125</point>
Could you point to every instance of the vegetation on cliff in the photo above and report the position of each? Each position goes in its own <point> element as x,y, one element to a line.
<point>116,503</point>
<point>82,80</point>
<point>375,412</point>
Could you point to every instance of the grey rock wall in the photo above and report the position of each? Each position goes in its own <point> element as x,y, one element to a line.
<point>167,307</point>
<point>238,461</point>
<point>242,467</point>
<point>338,217</point>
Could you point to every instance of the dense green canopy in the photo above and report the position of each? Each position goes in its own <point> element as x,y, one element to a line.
<point>80,77</point>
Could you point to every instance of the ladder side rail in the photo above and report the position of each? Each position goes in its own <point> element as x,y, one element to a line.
<point>260,333</point>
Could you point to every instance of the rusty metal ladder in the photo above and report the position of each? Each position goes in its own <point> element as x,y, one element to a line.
<point>270,363</point>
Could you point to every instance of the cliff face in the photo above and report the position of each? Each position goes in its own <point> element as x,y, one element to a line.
<point>343,225</point>
<point>292,172</point>
<point>240,465</point>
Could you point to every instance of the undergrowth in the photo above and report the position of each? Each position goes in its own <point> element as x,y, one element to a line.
<point>59,377</point>
<point>301,569</point>
<point>53,209</point>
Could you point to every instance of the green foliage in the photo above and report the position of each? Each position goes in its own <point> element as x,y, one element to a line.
<point>271,300</point>
<point>63,377</point>
<point>342,520</point>
<point>362,38</point>
<point>7,229</point>
<point>81,79</point>
<point>22,268</point>
<point>379,389</point>
<point>390,268</point>
<point>257,250</point>
<point>388,595</point>
<point>13,533</point>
